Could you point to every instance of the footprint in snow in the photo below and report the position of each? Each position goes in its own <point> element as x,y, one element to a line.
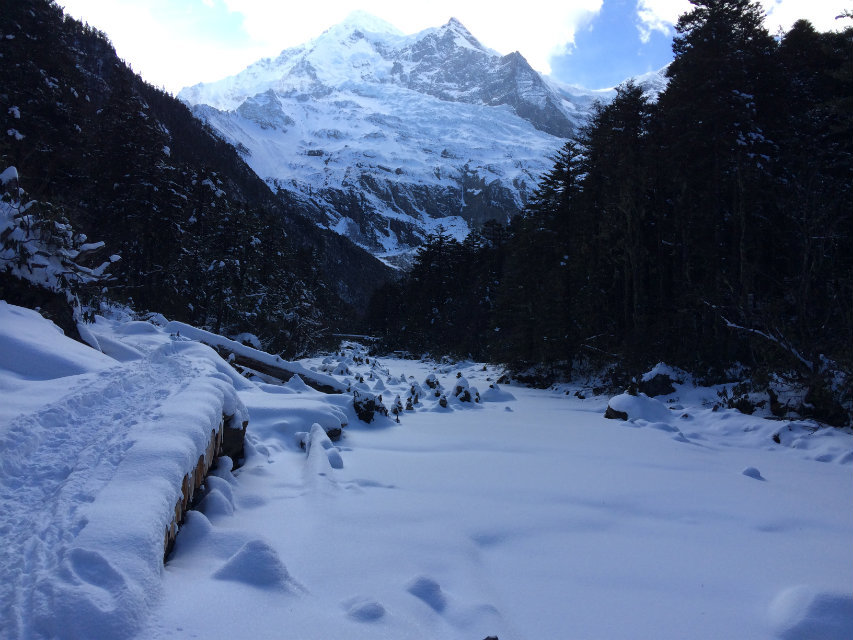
<point>91,567</point>
<point>428,590</point>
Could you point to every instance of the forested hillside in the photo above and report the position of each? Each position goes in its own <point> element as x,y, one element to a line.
<point>200,236</point>
<point>710,229</point>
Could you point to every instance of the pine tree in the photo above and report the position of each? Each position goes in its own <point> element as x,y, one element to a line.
<point>715,154</point>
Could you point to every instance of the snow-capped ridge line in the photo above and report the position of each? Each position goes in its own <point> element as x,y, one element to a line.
<point>377,135</point>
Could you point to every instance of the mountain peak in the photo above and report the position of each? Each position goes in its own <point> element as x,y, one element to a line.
<point>460,31</point>
<point>454,23</point>
<point>360,20</point>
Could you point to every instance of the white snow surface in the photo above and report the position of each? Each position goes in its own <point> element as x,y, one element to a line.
<point>527,515</point>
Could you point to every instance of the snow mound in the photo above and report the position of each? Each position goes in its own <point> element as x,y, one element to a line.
<point>215,503</point>
<point>752,472</point>
<point>364,609</point>
<point>297,385</point>
<point>322,454</point>
<point>33,348</point>
<point>257,564</point>
<point>805,613</point>
<point>495,394</point>
<point>662,369</point>
<point>642,407</point>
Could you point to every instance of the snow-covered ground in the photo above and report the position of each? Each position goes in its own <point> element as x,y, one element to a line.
<point>526,515</point>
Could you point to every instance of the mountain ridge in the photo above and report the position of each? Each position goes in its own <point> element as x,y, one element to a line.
<point>384,136</point>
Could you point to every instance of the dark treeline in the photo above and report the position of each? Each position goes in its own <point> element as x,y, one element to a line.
<point>200,236</point>
<point>712,227</point>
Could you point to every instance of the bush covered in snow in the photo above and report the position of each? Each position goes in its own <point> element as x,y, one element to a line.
<point>42,257</point>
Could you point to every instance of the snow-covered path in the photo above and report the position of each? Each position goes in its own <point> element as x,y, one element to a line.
<point>56,460</point>
<point>527,518</point>
<point>94,449</point>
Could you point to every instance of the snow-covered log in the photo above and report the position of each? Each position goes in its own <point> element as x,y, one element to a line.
<point>226,440</point>
<point>246,357</point>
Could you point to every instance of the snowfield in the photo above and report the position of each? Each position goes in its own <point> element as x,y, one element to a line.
<point>526,515</point>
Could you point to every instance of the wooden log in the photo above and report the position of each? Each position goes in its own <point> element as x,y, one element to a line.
<point>279,373</point>
<point>224,440</point>
<point>233,439</point>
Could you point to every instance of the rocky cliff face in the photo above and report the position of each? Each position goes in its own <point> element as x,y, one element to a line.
<point>386,136</point>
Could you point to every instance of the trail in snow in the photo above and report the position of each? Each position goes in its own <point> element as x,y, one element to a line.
<point>55,461</point>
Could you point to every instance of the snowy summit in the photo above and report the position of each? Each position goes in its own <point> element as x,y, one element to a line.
<point>384,136</point>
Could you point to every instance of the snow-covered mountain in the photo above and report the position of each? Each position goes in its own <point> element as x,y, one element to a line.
<point>386,136</point>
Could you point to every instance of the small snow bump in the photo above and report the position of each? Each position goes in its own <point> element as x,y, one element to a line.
<point>803,613</point>
<point>364,609</point>
<point>257,564</point>
<point>752,472</point>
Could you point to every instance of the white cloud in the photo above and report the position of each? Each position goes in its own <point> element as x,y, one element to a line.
<point>661,15</point>
<point>163,41</point>
<point>171,53</point>
<point>168,42</point>
<point>536,28</point>
<point>784,13</point>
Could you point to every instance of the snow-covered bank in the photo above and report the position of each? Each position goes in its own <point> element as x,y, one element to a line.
<point>93,455</point>
<point>526,515</point>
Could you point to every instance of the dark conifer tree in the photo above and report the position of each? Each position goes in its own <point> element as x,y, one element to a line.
<point>715,153</point>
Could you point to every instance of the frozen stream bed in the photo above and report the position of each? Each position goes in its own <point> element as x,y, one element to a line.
<point>527,515</point>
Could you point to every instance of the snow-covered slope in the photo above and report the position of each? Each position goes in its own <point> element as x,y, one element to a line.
<point>382,133</point>
<point>524,515</point>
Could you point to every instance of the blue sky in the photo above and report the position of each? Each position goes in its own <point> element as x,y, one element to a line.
<point>592,43</point>
<point>611,47</point>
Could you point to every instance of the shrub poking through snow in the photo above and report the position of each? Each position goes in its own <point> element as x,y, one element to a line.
<point>658,385</point>
<point>397,407</point>
<point>462,390</point>
<point>367,405</point>
<point>613,414</point>
<point>432,382</point>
